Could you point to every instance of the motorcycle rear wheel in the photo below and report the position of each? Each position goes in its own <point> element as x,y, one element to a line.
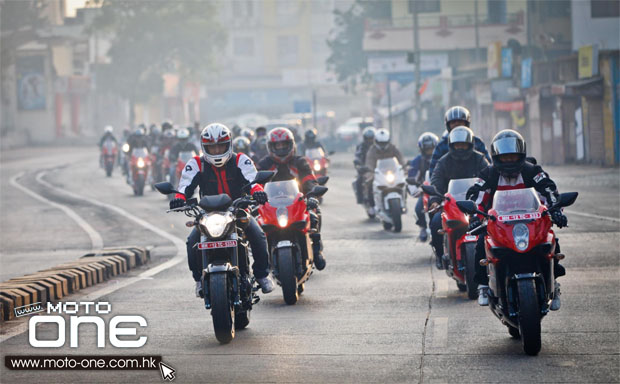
<point>108,169</point>
<point>470,270</point>
<point>287,277</point>
<point>396,214</point>
<point>139,187</point>
<point>222,312</point>
<point>529,317</point>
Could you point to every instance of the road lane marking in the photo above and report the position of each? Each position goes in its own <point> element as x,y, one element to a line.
<point>442,288</point>
<point>111,286</point>
<point>440,332</point>
<point>592,216</point>
<point>95,237</point>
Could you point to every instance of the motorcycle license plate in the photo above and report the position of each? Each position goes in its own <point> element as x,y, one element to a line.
<point>471,238</point>
<point>524,216</point>
<point>217,244</point>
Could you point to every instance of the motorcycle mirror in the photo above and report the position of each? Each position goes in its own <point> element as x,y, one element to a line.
<point>322,180</point>
<point>263,177</point>
<point>317,190</point>
<point>466,206</point>
<point>411,180</point>
<point>430,190</point>
<point>567,198</point>
<point>165,188</point>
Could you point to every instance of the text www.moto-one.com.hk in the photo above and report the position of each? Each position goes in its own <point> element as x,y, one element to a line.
<point>69,362</point>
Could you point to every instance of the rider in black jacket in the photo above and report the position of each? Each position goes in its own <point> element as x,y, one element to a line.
<point>460,162</point>
<point>368,139</point>
<point>218,171</point>
<point>512,170</point>
<point>282,159</point>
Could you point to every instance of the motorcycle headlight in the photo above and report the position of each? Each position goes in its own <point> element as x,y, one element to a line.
<point>317,165</point>
<point>125,147</point>
<point>521,235</point>
<point>282,215</point>
<point>389,177</point>
<point>215,224</point>
<point>140,163</point>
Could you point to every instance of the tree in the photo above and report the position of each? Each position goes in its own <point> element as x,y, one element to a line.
<point>152,38</point>
<point>348,59</point>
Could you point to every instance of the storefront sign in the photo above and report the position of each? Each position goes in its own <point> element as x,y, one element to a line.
<point>494,59</point>
<point>526,73</point>
<point>588,61</point>
<point>506,62</point>
<point>31,84</point>
<point>508,106</point>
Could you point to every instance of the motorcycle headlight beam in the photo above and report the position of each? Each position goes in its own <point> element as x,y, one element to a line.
<point>521,235</point>
<point>215,224</point>
<point>389,177</point>
<point>282,216</point>
<point>140,163</point>
<point>317,165</point>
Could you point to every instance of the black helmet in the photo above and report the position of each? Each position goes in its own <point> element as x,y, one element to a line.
<point>427,140</point>
<point>504,143</point>
<point>457,113</point>
<point>260,131</point>
<point>461,134</point>
<point>241,144</point>
<point>166,125</point>
<point>310,135</point>
<point>369,134</point>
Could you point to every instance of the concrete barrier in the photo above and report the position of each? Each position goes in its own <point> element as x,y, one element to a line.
<point>52,284</point>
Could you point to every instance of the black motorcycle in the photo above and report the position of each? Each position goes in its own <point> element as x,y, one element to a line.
<point>227,281</point>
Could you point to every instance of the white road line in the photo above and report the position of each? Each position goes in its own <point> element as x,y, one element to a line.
<point>440,332</point>
<point>110,286</point>
<point>592,216</point>
<point>442,288</point>
<point>95,237</point>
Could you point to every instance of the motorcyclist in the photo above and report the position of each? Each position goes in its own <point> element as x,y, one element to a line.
<point>455,117</point>
<point>241,145</point>
<point>288,166</point>
<point>461,162</point>
<point>220,170</point>
<point>248,133</point>
<point>259,145</point>
<point>381,149</point>
<point>368,139</point>
<point>183,144</point>
<point>310,140</point>
<point>511,170</point>
<point>108,134</point>
<point>417,169</point>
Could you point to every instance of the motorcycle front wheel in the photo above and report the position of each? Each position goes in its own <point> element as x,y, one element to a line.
<point>396,214</point>
<point>529,317</point>
<point>470,270</point>
<point>139,187</point>
<point>222,311</point>
<point>286,275</point>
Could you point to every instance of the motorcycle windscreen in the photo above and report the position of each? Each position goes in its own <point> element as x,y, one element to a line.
<point>385,165</point>
<point>185,156</point>
<point>315,153</point>
<point>139,152</point>
<point>282,193</point>
<point>458,187</point>
<point>109,145</point>
<point>516,201</point>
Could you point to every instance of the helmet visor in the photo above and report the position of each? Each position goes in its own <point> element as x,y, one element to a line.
<point>460,136</point>
<point>281,148</point>
<point>507,145</point>
<point>215,149</point>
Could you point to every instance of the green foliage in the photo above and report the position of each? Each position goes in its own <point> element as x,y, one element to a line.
<point>156,37</point>
<point>348,59</point>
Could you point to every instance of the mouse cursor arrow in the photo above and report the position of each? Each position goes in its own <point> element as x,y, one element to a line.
<point>167,372</point>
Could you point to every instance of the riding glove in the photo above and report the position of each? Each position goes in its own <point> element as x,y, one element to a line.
<point>260,197</point>
<point>559,219</point>
<point>176,203</point>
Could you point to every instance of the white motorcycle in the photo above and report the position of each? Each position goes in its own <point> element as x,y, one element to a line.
<point>389,191</point>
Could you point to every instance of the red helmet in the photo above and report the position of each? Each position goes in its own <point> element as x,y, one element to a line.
<point>281,144</point>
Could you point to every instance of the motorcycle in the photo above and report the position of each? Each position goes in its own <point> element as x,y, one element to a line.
<point>362,170</point>
<point>389,192</point>
<point>286,222</point>
<point>519,247</point>
<point>416,191</point>
<point>318,161</point>
<point>459,258</point>
<point>182,160</point>
<point>227,281</point>
<point>139,168</point>
<point>109,151</point>
<point>156,161</point>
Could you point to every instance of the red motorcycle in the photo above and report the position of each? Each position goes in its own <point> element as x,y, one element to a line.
<point>286,222</point>
<point>182,160</point>
<point>109,152</point>
<point>139,167</point>
<point>459,258</point>
<point>317,160</point>
<point>520,247</point>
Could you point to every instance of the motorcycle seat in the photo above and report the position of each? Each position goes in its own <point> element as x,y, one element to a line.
<point>215,202</point>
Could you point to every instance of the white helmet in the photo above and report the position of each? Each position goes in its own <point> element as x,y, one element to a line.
<point>214,134</point>
<point>108,129</point>
<point>382,138</point>
<point>182,133</point>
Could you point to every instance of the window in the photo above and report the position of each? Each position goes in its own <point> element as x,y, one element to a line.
<point>605,8</point>
<point>287,50</point>
<point>243,46</point>
<point>496,10</point>
<point>425,6</point>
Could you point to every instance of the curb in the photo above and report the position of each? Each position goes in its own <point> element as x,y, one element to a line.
<point>52,284</point>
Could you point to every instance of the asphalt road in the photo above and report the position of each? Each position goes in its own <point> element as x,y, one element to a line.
<point>379,312</point>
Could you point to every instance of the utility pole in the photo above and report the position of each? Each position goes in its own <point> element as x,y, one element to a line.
<point>477,31</point>
<point>416,60</point>
<point>389,100</point>
<point>314,108</point>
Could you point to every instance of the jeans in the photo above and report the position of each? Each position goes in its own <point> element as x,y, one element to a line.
<point>258,243</point>
<point>419,211</point>
<point>437,239</point>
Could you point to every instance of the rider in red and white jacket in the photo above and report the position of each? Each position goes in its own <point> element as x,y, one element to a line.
<point>218,171</point>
